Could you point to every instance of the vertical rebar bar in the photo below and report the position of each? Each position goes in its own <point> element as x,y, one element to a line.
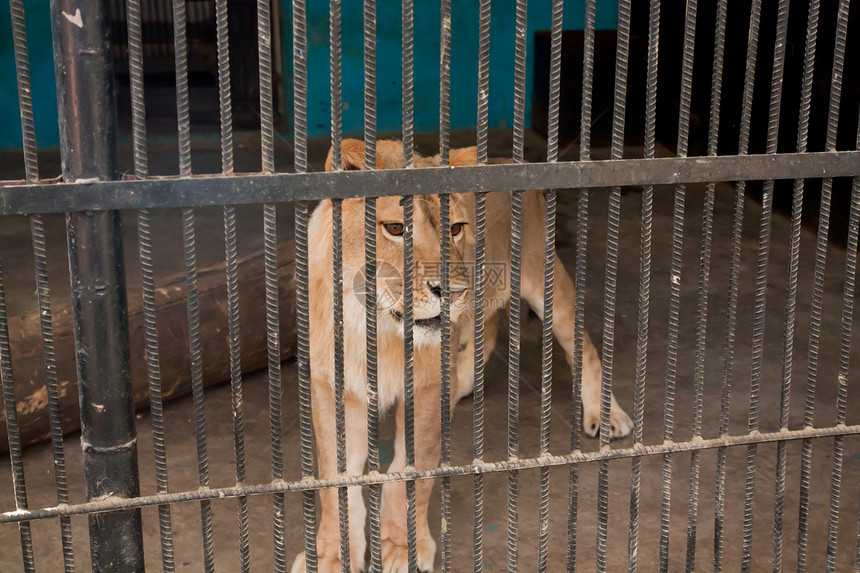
<point>231,263</point>
<point>516,271</point>
<point>734,271</point>
<point>339,381</point>
<point>850,270</point>
<point>445,408</point>
<point>153,369</point>
<point>579,280</point>
<point>264,50</point>
<point>303,368</point>
<point>478,394</point>
<point>147,281</point>
<point>370,274</point>
<point>790,308</point>
<point>480,233</point>
<point>610,283</point>
<point>444,81</point>
<point>844,361</point>
<point>483,78</point>
<point>520,84</point>
<point>337,289</point>
<point>802,135</point>
<point>335,82</point>
<point>445,253</point>
<point>791,295</point>
<point>704,284</point>
<point>270,248</point>
<point>546,377</point>
<point>675,279</point>
<point>408,375</point>
<point>225,104</point>
<point>644,286</point>
<point>514,376</point>
<point>761,297</point>
<point>408,268</point>
<point>13,433</point>
<point>196,355</point>
<point>37,231</point>
<point>190,254</point>
<point>180,50</point>
<point>25,100</point>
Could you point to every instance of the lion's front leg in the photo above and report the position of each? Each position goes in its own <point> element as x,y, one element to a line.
<point>328,536</point>
<point>563,328</point>
<point>395,556</point>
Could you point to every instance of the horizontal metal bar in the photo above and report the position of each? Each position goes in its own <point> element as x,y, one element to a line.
<point>307,484</point>
<point>21,198</point>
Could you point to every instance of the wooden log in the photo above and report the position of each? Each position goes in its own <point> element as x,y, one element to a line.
<point>170,300</point>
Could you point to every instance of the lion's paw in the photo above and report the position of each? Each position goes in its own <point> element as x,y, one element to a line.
<point>324,565</point>
<point>620,422</point>
<point>395,558</point>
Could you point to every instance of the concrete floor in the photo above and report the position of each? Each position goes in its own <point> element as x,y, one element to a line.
<point>14,245</point>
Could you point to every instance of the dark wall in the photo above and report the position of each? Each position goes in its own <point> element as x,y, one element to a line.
<point>737,31</point>
<point>672,16</point>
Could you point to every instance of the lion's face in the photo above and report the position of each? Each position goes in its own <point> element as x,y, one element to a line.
<point>427,267</point>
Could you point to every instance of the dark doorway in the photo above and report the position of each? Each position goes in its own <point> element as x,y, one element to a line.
<point>159,67</point>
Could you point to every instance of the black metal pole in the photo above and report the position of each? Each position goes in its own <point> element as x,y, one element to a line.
<point>87,121</point>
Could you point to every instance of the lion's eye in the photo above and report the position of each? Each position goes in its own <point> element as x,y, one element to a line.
<point>395,229</point>
<point>456,228</point>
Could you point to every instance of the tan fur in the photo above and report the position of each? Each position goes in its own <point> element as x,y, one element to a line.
<point>427,346</point>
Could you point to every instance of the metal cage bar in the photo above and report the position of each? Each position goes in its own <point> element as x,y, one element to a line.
<point>83,69</point>
<point>370,163</point>
<point>734,271</point>
<point>791,297</point>
<point>809,405</point>
<point>675,280</point>
<point>850,271</point>
<point>483,98</point>
<point>205,190</point>
<point>704,284</point>
<point>302,305</point>
<point>445,278</point>
<point>13,434</point>
<point>761,282</point>
<point>644,286</point>
<point>579,281</point>
<point>95,255</point>
<point>610,280</point>
<point>147,281</point>
<point>37,233</point>
<point>312,484</point>
<point>844,356</point>
<point>408,102</point>
<point>515,283</point>
<point>190,256</point>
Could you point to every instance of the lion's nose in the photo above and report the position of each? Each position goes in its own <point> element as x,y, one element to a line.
<point>435,288</point>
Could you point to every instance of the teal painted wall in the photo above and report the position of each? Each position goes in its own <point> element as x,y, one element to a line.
<point>464,65</point>
<point>464,62</point>
<point>44,95</point>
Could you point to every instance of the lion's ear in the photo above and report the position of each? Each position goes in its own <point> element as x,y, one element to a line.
<point>351,155</point>
<point>389,155</point>
<point>463,156</point>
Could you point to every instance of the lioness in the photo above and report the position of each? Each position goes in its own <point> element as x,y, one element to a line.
<point>427,335</point>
